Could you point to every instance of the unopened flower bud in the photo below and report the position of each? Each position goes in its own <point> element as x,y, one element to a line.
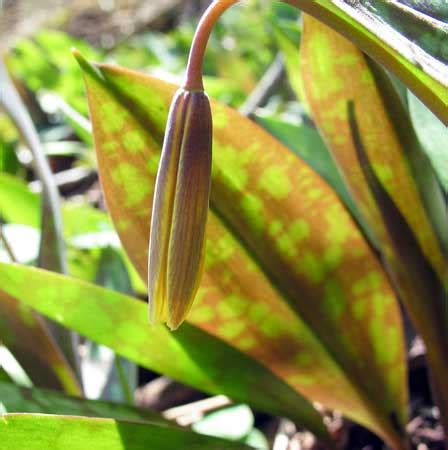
<point>180,207</point>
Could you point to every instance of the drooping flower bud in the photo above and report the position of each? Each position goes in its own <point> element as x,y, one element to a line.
<point>180,207</point>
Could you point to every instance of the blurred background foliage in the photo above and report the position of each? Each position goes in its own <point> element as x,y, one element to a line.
<point>154,37</point>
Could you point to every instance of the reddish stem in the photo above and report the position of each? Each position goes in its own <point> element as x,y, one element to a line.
<point>193,77</point>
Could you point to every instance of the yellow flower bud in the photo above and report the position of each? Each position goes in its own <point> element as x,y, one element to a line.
<point>180,207</point>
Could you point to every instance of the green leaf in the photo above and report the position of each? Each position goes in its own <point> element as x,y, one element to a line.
<point>4,376</point>
<point>425,35</point>
<point>8,137</point>
<point>17,399</point>
<point>26,336</point>
<point>81,126</point>
<point>21,330</point>
<point>291,55</point>
<point>313,288</point>
<point>112,272</point>
<point>233,423</point>
<point>51,248</point>
<point>190,355</point>
<point>37,432</point>
<point>8,157</point>
<point>43,63</point>
<point>433,135</point>
<point>122,378</point>
<point>257,439</point>
<point>19,205</point>
<point>85,228</point>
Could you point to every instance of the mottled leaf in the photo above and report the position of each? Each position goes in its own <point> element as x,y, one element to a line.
<point>39,432</point>
<point>422,72</point>
<point>338,79</point>
<point>304,140</point>
<point>282,302</point>
<point>190,355</point>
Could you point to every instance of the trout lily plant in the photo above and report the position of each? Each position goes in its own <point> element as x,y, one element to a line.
<point>269,279</point>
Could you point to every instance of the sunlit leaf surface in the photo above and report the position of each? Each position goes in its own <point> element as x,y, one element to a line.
<point>21,206</point>
<point>305,141</point>
<point>39,432</point>
<point>363,126</point>
<point>189,355</point>
<point>422,71</point>
<point>22,330</point>
<point>413,33</point>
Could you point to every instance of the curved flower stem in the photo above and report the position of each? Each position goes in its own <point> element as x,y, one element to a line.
<point>193,78</point>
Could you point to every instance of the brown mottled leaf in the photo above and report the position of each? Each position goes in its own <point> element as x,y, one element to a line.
<point>289,279</point>
<point>365,23</point>
<point>357,114</point>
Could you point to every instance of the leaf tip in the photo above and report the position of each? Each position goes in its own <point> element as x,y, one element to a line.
<point>87,67</point>
<point>77,55</point>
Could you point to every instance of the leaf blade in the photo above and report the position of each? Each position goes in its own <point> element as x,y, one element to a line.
<point>39,432</point>
<point>338,80</point>
<point>359,30</point>
<point>120,322</point>
<point>244,202</point>
<point>23,400</point>
<point>25,334</point>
